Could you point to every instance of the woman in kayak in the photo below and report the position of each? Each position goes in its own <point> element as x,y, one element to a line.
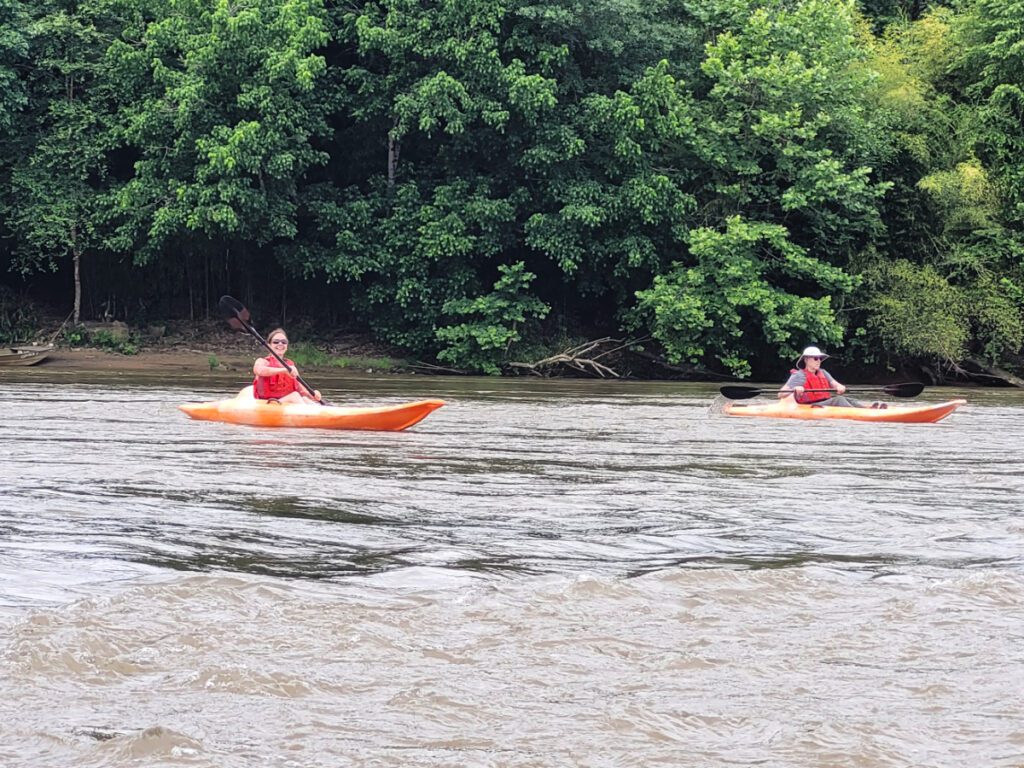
<point>809,375</point>
<point>273,382</point>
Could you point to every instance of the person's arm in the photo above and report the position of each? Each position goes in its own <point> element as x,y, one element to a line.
<point>304,391</point>
<point>795,383</point>
<point>840,388</point>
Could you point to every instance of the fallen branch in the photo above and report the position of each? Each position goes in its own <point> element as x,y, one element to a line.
<point>579,359</point>
<point>438,369</point>
<point>990,372</point>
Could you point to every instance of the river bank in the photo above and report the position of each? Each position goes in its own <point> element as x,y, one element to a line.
<point>208,347</point>
<point>192,362</point>
<point>199,348</point>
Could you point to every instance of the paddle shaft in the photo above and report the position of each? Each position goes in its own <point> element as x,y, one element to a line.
<point>908,389</point>
<point>855,389</point>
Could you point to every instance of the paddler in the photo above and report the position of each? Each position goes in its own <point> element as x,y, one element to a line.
<point>279,384</point>
<point>809,375</point>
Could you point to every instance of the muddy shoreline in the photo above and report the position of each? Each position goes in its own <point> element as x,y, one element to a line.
<point>229,354</point>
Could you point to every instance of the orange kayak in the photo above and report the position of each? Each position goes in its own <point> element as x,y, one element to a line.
<point>903,414</point>
<point>243,409</point>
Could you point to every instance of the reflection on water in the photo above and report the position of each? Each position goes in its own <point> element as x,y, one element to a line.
<point>540,573</point>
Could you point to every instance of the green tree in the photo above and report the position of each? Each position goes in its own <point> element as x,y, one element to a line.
<point>59,186</point>
<point>224,114</point>
<point>786,132</point>
<point>777,136</point>
<point>13,52</point>
<point>730,300</point>
<point>433,208</point>
<point>495,322</point>
<point>951,292</point>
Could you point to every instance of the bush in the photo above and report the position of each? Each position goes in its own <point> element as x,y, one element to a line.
<point>113,343</point>
<point>80,336</point>
<point>494,322</point>
<point>305,354</point>
<point>915,312</point>
<point>18,320</point>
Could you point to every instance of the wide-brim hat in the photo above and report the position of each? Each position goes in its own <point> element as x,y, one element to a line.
<point>810,352</point>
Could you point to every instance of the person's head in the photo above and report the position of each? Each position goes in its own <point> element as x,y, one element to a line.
<point>811,358</point>
<point>278,340</point>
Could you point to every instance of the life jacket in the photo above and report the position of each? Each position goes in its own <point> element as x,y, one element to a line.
<point>278,385</point>
<point>814,381</point>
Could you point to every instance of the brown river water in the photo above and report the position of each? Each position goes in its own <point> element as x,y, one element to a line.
<point>539,574</point>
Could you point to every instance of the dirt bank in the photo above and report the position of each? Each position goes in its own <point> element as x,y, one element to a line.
<point>194,349</point>
<point>181,360</point>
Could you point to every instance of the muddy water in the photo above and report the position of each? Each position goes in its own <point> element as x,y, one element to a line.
<point>539,574</point>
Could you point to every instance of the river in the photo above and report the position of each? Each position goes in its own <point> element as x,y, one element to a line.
<point>542,573</point>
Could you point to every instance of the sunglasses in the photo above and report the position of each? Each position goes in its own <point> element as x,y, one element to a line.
<point>815,358</point>
<point>279,341</point>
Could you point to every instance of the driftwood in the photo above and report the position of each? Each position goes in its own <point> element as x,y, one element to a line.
<point>979,369</point>
<point>419,365</point>
<point>972,369</point>
<point>584,358</point>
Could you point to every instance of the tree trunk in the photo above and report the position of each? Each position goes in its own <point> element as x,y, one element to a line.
<point>191,296</point>
<point>394,149</point>
<point>284,297</point>
<point>77,257</point>
<point>206,285</point>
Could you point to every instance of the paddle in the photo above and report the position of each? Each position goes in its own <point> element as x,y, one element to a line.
<point>908,389</point>
<point>238,318</point>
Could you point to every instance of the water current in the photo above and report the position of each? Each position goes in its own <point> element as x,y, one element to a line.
<point>539,574</point>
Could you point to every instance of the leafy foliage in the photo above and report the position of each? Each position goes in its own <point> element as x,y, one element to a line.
<point>222,111</point>
<point>733,298</point>
<point>14,49</point>
<point>18,317</point>
<point>734,178</point>
<point>58,179</point>
<point>916,312</point>
<point>496,321</point>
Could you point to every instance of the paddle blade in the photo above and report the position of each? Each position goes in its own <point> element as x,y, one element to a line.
<point>909,389</point>
<point>740,393</point>
<point>235,312</point>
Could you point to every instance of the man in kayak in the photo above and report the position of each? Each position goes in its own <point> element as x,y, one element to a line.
<point>809,375</point>
<point>273,382</point>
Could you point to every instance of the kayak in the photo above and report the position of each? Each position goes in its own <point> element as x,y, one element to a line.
<point>244,409</point>
<point>902,414</point>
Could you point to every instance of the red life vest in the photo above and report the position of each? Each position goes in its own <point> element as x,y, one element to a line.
<point>814,381</point>
<point>278,385</point>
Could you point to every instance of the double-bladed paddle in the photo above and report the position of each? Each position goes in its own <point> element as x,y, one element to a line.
<point>238,318</point>
<point>907,389</point>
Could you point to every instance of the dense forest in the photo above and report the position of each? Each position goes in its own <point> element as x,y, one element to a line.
<point>485,181</point>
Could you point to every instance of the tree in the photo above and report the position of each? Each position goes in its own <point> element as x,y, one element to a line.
<point>13,52</point>
<point>224,116</point>
<point>59,186</point>
<point>728,300</point>
<point>495,321</point>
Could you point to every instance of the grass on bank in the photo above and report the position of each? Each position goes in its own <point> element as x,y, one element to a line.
<point>307,355</point>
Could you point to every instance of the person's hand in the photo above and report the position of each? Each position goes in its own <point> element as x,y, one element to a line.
<point>798,390</point>
<point>316,395</point>
<point>840,388</point>
<point>293,371</point>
